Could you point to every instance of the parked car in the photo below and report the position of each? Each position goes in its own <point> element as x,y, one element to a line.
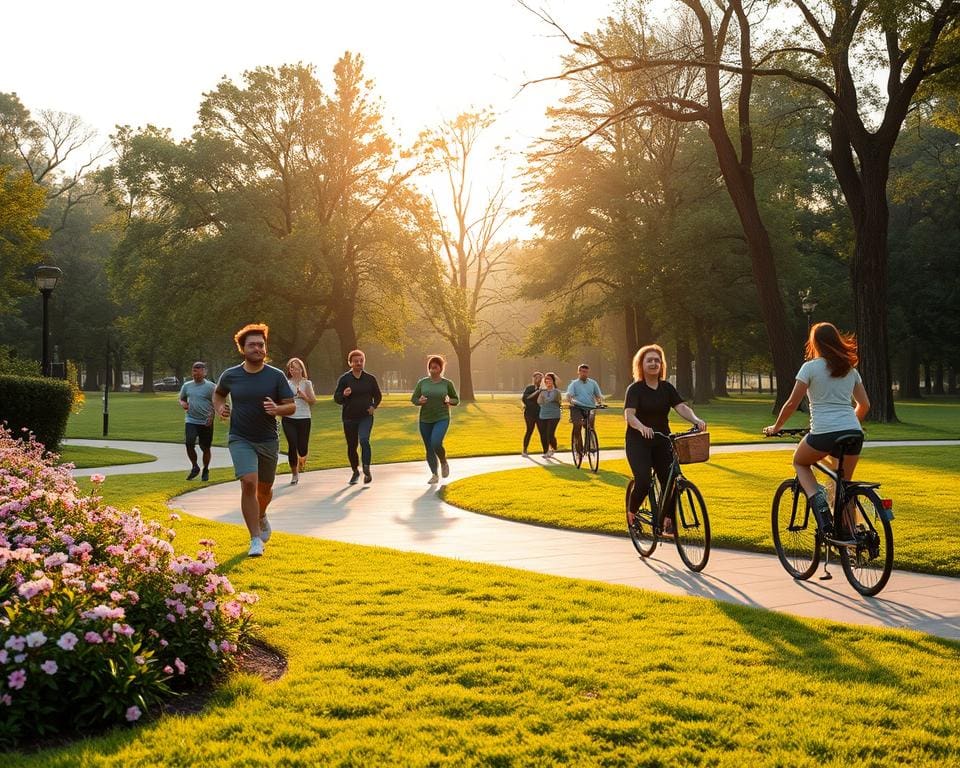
<point>167,384</point>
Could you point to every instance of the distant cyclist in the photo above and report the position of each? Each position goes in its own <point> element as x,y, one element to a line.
<point>583,394</point>
<point>833,384</point>
<point>646,409</point>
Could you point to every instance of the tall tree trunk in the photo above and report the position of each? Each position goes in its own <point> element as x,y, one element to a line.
<point>639,331</point>
<point>684,367</point>
<point>938,379</point>
<point>721,366</point>
<point>117,359</point>
<point>464,358</point>
<point>927,380</point>
<point>148,374</point>
<point>343,326</point>
<point>784,349</point>
<point>702,387</point>
<point>910,373</point>
<point>952,380</point>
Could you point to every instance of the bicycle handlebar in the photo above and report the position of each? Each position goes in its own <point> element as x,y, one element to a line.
<point>788,433</point>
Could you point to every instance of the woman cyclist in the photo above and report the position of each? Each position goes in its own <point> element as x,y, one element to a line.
<point>832,383</point>
<point>646,409</point>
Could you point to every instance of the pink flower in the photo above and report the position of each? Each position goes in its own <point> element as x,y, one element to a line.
<point>15,643</point>
<point>168,670</point>
<point>181,667</point>
<point>133,714</point>
<point>36,639</point>
<point>93,638</point>
<point>17,679</point>
<point>4,655</point>
<point>56,559</point>
<point>174,516</point>
<point>96,479</point>
<point>67,641</point>
<point>49,666</point>
<point>6,699</point>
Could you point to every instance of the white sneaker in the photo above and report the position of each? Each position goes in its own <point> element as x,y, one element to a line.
<point>549,453</point>
<point>433,479</point>
<point>265,530</point>
<point>256,547</point>
<point>444,469</point>
<point>524,454</point>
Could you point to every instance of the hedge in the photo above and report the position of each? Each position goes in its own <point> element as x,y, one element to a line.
<point>41,405</point>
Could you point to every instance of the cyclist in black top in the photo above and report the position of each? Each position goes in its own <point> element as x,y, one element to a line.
<point>646,409</point>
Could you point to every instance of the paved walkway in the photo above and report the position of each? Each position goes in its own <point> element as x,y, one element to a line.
<point>168,457</point>
<point>399,510</point>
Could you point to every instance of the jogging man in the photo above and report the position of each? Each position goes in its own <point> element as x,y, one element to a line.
<point>196,398</point>
<point>359,394</point>
<point>583,393</point>
<point>259,393</point>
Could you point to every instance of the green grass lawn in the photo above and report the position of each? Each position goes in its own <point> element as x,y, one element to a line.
<point>84,457</point>
<point>493,425</point>
<point>738,489</point>
<point>405,659</point>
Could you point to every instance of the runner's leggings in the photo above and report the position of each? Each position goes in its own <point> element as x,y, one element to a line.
<point>297,432</point>
<point>532,423</point>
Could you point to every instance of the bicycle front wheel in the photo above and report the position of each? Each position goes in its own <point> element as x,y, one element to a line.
<point>691,526</point>
<point>641,529</point>
<point>868,563</point>
<point>576,449</point>
<point>794,531</point>
<point>593,449</point>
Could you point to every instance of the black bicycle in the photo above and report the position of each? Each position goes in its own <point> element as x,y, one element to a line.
<point>691,524</point>
<point>590,447</point>
<point>862,534</point>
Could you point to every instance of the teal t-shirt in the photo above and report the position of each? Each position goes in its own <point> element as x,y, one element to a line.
<point>199,399</point>
<point>434,409</point>
<point>831,398</point>
<point>584,392</point>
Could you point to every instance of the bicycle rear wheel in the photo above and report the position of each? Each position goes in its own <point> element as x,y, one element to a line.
<point>576,449</point>
<point>868,564</point>
<point>691,526</point>
<point>593,449</point>
<point>794,531</point>
<point>641,531</point>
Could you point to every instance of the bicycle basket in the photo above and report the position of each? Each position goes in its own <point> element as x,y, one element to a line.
<point>693,447</point>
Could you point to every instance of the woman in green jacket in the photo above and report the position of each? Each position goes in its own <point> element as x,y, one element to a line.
<point>434,395</point>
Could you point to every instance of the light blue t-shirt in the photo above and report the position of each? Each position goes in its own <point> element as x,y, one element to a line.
<point>549,403</point>
<point>831,398</point>
<point>584,392</point>
<point>199,399</point>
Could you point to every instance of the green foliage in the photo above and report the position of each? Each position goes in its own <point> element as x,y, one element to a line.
<point>21,202</point>
<point>12,365</point>
<point>37,405</point>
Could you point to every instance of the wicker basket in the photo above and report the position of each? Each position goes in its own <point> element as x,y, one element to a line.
<point>693,447</point>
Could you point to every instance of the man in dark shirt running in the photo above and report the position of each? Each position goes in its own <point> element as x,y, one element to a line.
<point>259,393</point>
<point>359,394</point>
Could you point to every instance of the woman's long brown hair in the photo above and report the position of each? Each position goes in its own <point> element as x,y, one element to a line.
<point>838,349</point>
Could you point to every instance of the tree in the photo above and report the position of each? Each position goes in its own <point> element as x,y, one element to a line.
<point>840,45</point>
<point>21,204</point>
<point>455,287</point>
<point>700,43</point>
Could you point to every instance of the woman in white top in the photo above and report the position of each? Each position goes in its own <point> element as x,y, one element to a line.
<point>296,427</point>
<point>833,386</point>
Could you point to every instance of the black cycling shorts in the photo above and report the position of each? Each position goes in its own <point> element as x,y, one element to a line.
<point>825,442</point>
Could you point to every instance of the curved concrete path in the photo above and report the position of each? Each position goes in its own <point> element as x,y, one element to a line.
<point>401,511</point>
<point>167,457</point>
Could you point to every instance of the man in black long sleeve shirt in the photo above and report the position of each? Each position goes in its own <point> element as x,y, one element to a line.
<point>359,394</point>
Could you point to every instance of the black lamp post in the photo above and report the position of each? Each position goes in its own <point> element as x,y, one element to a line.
<point>46,279</point>
<point>808,304</point>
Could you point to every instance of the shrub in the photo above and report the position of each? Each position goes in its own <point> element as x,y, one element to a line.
<point>99,619</point>
<point>38,405</point>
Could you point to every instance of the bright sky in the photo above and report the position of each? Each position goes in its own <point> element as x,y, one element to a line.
<point>140,62</point>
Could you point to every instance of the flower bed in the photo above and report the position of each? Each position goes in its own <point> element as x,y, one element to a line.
<point>100,620</point>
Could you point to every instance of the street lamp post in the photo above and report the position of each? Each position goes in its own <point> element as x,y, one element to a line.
<point>46,279</point>
<point>808,304</point>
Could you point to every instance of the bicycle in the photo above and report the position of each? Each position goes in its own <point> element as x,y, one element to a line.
<point>590,447</point>
<point>691,523</point>
<point>863,537</point>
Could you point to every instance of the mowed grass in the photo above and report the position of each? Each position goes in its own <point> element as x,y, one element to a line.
<point>404,659</point>
<point>492,425</point>
<point>738,488</point>
<point>83,457</point>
